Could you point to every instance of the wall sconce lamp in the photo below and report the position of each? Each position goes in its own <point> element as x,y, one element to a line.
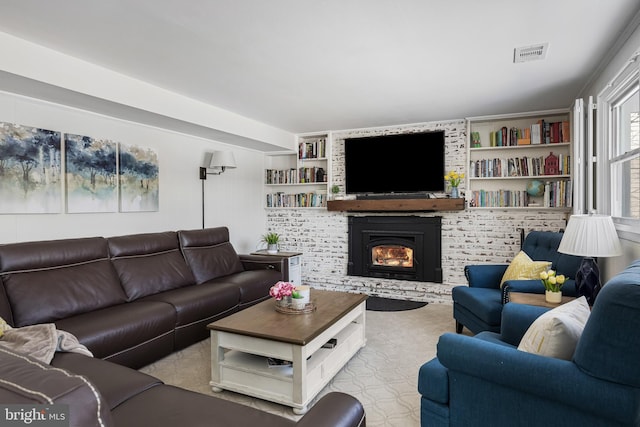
<point>218,162</point>
<point>590,236</point>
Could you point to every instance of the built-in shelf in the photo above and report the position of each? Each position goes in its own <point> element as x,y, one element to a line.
<point>396,205</point>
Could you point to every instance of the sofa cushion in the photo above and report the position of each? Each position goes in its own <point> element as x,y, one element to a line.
<point>26,380</point>
<point>557,332</point>
<point>149,263</point>
<point>116,383</point>
<point>133,334</point>
<point>51,280</point>
<point>209,253</point>
<point>522,267</point>
<point>197,306</point>
<point>253,284</point>
<point>486,302</point>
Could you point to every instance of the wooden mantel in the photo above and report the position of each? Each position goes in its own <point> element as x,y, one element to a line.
<point>396,205</point>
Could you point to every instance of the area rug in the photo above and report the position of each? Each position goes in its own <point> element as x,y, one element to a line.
<point>388,304</point>
<point>383,375</point>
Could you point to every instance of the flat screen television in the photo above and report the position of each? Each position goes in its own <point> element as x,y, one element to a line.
<point>406,163</point>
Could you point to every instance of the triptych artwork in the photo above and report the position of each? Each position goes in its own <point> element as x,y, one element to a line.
<point>99,175</point>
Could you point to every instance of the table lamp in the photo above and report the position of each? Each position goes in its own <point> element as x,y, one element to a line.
<point>590,236</point>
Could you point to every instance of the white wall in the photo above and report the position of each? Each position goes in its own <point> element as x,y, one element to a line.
<point>611,66</point>
<point>233,199</point>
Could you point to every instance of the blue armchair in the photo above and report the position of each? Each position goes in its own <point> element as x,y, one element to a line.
<point>485,381</point>
<point>479,305</point>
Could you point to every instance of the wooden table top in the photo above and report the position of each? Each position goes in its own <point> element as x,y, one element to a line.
<point>263,321</point>
<point>535,299</point>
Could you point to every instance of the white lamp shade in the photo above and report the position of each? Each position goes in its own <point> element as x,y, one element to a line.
<point>222,159</point>
<point>590,236</point>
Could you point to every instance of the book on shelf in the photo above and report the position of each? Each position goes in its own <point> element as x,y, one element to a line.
<point>535,134</point>
<point>315,149</point>
<point>297,200</point>
<point>541,132</point>
<point>272,362</point>
<point>516,166</point>
<point>331,343</point>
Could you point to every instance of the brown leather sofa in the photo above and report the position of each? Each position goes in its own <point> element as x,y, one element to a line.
<point>132,300</point>
<point>105,394</point>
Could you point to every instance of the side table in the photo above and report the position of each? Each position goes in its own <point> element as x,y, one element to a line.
<point>535,299</point>
<point>294,260</point>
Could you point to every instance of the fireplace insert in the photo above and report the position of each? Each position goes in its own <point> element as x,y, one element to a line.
<point>396,247</point>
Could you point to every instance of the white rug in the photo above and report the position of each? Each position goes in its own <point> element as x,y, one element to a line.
<point>383,375</point>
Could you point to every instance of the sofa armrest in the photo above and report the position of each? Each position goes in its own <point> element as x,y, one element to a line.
<point>433,381</point>
<point>485,275</point>
<point>556,381</point>
<point>25,380</point>
<point>263,262</point>
<point>334,410</point>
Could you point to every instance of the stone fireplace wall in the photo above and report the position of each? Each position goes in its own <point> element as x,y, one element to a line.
<point>468,236</point>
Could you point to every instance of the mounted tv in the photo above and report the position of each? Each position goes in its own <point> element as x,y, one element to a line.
<point>405,164</point>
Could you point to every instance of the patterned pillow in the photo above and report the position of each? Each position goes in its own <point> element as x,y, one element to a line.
<point>522,268</point>
<point>556,332</point>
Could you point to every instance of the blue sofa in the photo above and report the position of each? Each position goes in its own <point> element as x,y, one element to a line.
<point>485,381</point>
<point>479,305</point>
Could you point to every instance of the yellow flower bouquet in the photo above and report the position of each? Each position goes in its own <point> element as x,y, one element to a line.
<point>454,178</point>
<point>552,282</point>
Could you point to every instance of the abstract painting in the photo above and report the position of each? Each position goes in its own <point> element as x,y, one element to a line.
<point>92,181</point>
<point>30,170</point>
<point>138,179</point>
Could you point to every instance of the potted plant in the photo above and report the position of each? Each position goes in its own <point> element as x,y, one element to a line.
<point>271,239</point>
<point>297,300</point>
<point>335,190</point>
<point>282,292</point>
<point>552,285</point>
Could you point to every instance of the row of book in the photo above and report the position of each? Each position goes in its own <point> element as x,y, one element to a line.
<point>299,200</point>
<point>519,166</point>
<point>316,149</point>
<point>499,199</point>
<point>557,194</point>
<point>542,132</point>
<point>302,175</point>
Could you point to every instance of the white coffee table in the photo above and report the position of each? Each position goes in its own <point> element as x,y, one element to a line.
<point>242,342</point>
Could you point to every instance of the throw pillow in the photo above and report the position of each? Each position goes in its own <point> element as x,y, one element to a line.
<point>4,326</point>
<point>522,267</point>
<point>556,332</point>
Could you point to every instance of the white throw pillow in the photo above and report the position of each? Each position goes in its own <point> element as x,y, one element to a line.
<point>556,332</point>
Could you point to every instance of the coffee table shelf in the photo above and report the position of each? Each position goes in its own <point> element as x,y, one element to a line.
<point>239,361</point>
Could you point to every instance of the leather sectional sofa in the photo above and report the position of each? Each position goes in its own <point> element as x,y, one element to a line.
<point>132,300</point>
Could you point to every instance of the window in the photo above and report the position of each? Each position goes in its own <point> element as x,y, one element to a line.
<point>625,159</point>
<point>619,146</point>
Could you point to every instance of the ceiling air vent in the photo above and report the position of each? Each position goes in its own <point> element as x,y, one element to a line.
<point>530,53</point>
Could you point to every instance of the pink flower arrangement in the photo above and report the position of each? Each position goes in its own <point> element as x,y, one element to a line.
<point>281,290</point>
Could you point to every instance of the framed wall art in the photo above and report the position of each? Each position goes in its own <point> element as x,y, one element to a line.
<point>139,183</point>
<point>91,175</point>
<point>30,170</point>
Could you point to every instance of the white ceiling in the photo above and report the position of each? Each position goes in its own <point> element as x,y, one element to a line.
<point>303,65</point>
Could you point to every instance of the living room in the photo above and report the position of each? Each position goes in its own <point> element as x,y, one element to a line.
<point>81,94</point>
<point>36,96</point>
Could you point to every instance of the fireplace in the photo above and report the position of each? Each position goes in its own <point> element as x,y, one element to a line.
<point>403,247</point>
